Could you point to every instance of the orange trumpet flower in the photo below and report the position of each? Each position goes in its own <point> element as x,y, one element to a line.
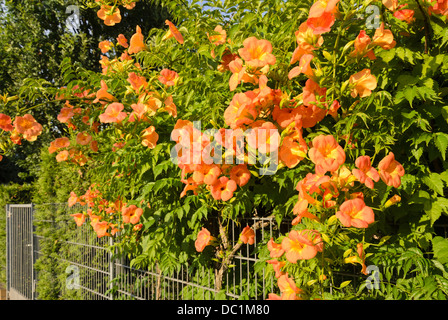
<point>150,137</point>
<point>362,82</point>
<point>257,53</point>
<point>302,245</point>
<point>137,42</point>
<point>109,17</point>
<point>326,153</point>
<point>5,122</point>
<point>390,170</point>
<point>355,213</point>
<point>173,33</point>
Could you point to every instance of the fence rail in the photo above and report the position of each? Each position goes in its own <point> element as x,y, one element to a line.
<point>85,269</point>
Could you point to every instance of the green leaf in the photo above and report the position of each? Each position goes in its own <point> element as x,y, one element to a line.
<point>444,176</point>
<point>145,167</point>
<point>423,137</point>
<point>417,153</point>
<point>440,248</point>
<point>137,261</point>
<point>149,222</point>
<point>168,216</point>
<point>436,208</point>
<point>440,266</point>
<point>407,80</point>
<point>431,64</point>
<point>445,113</point>
<point>430,286</point>
<point>406,54</point>
<point>434,182</point>
<point>409,94</point>
<point>387,55</point>
<point>159,184</point>
<point>443,202</point>
<point>425,93</point>
<point>434,212</point>
<point>204,50</point>
<point>221,295</point>
<point>158,169</point>
<point>441,142</point>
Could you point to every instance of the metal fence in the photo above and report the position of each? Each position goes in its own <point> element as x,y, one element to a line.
<point>49,256</point>
<point>199,284</point>
<point>19,251</point>
<point>85,269</point>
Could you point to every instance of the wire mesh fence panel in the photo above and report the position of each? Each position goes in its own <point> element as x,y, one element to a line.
<point>49,257</point>
<point>243,279</point>
<point>19,229</point>
<point>84,268</point>
<point>82,263</point>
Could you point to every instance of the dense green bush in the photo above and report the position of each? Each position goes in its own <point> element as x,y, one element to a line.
<point>52,189</point>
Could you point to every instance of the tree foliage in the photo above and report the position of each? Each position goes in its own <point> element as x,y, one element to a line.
<point>36,36</point>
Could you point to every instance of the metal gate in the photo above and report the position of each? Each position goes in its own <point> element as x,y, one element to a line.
<point>19,251</point>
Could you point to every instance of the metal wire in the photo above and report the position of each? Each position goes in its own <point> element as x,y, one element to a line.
<point>100,277</point>
<point>19,229</point>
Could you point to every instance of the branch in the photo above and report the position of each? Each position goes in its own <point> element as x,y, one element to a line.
<point>428,40</point>
<point>228,258</point>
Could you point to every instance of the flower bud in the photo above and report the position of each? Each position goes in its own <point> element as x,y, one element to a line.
<point>395,199</point>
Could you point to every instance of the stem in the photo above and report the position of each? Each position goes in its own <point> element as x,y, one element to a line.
<point>335,60</point>
<point>322,273</point>
<point>334,52</point>
<point>51,101</point>
<point>428,41</point>
<point>223,234</point>
<point>229,257</point>
<point>159,282</point>
<point>112,9</point>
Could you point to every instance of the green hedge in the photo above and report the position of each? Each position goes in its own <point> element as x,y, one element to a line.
<point>53,186</point>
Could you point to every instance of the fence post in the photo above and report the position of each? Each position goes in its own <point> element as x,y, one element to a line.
<point>8,276</point>
<point>33,285</point>
<point>111,269</point>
